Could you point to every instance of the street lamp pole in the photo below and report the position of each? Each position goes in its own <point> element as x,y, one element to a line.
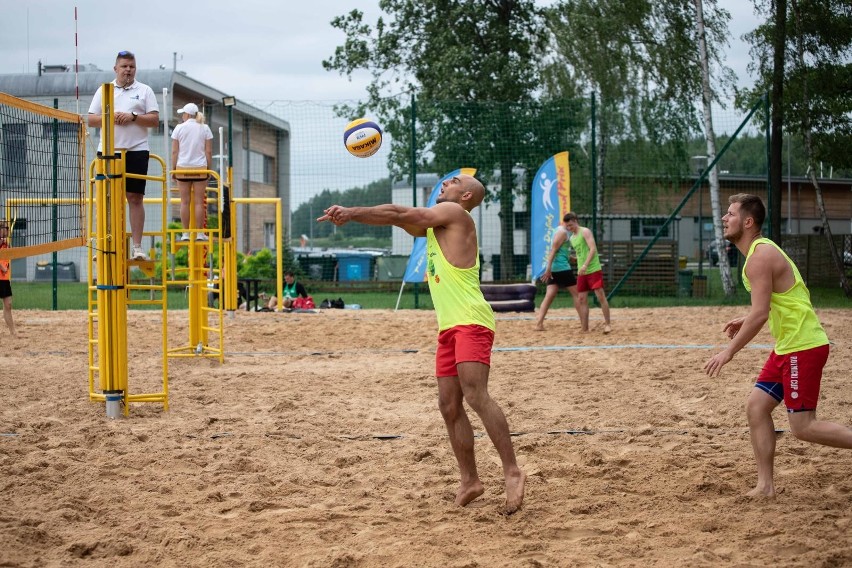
<point>228,293</point>
<point>229,103</point>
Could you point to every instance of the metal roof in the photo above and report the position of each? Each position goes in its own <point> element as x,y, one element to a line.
<point>32,85</point>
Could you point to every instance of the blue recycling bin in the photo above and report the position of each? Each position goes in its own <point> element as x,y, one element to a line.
<point>353,267</point>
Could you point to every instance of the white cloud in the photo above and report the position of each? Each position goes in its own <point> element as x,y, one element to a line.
<point>256,49</point>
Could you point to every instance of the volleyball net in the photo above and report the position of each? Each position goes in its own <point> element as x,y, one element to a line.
<point>42,177</point>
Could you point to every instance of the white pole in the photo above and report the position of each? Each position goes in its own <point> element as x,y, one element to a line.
<point>398,298</point>
<point>167,147</point>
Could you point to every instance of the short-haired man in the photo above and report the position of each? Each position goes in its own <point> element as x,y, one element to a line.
<point>136,111</point>
<point>589,271</point>
<point>465,323</point>
<point>793,371</point>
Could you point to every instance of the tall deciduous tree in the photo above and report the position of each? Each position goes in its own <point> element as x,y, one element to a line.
<point>641,56</point>
<point>474,67</point>
<point>710,137</point>
<point>817,74</point>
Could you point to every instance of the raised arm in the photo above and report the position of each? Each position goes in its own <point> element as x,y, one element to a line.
<point>414,220</point>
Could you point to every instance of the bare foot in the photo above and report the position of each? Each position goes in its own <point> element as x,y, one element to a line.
<point>607,329</point>
<point>762,492</point>
<point>514,492</point>
<point>468,493</point>
<point>539,327</point>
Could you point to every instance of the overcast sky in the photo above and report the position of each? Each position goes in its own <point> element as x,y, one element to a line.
<point>254,49</point>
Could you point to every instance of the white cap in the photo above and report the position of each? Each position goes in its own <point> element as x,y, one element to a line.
<point>189,108</point>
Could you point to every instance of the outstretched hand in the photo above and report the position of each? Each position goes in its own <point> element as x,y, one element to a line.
<point>714,366</point>
<point>336,214</point>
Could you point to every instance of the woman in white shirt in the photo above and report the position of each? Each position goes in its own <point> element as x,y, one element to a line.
<point>192,148</point>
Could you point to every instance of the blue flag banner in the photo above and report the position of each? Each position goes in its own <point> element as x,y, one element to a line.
<point>415,270</point>
<point>551,200</point>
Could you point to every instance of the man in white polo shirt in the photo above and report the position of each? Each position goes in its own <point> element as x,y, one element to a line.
<point>136,111</point>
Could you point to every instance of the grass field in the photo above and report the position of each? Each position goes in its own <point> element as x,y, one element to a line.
<point>72,296</point>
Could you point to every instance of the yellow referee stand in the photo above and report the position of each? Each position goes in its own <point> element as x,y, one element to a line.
<point>110,287</point>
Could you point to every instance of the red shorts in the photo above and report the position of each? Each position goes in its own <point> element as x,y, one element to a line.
<point>799,373</point>
<point>462,344</point>
<point>593,281</point>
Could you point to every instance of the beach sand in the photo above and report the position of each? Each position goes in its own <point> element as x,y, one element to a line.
<point>318,442</point>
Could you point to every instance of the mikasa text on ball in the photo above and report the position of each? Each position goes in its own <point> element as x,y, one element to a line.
<point>362,137</point>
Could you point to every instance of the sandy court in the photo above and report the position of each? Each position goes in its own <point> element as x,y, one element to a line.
<point>318,443</point>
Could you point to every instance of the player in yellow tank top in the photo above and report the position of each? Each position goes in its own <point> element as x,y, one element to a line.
<point>794,369</point>
<point>465,324</point>
<point>455,291</point>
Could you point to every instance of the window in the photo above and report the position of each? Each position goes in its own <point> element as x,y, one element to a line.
<point>647,228</point>
<point>14,154</point>
<point>523,220</point>
<point>260,168</point>
<point>269,236</point>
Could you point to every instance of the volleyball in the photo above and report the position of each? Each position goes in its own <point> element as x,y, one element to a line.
<point>362,137</point>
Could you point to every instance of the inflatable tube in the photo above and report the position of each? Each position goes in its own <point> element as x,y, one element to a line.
<point>512,305</point>
<point>501,292</point>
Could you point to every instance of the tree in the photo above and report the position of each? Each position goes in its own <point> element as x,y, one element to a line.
<point>641,57</point>
<point>375,193</point>
<point>817,73</point>
<point>710,136</point>
<point>817,112</point>
<point>473,66</point>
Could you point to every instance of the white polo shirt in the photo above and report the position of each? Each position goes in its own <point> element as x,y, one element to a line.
<point>192,138</point>
<point>138,98</point>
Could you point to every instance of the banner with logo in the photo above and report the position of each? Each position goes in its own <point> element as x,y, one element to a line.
<point>415,270</point>
<point>551,200</point>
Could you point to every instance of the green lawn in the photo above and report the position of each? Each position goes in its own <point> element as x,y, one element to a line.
<point>72,296</point>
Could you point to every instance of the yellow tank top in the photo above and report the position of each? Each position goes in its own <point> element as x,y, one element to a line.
<point>792,319</point>
<point>455,291</point>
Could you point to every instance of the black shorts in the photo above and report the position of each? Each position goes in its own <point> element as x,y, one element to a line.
<point>136,162</point>
<point>563,279</point>
<point>5,289</point>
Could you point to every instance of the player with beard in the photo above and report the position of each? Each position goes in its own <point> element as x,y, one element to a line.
<point>793,371</point>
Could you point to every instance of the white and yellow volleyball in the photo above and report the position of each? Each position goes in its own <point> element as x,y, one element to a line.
<point>362,137</point>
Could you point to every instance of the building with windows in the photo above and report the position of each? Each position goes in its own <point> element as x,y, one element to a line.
<point>625,221</point>
<point>260,145</point>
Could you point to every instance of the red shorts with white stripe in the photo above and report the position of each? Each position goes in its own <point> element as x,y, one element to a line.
<point>798,373</point>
